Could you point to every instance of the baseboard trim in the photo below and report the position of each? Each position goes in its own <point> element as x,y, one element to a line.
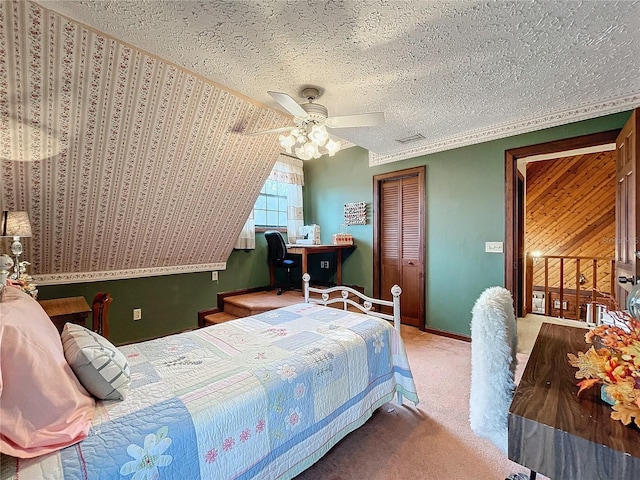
<point>443,333</point>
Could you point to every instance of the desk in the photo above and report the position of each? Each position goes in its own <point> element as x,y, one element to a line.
<point>559,435</point>
<point>63,310</point>
<point>305,250</point>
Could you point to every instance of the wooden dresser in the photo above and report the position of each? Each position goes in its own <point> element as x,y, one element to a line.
<point>558,434</point>
<point>63,310</point>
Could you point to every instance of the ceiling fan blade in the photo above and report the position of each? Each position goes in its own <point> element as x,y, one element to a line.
<point>273,130</point>
<point>289,104</point>
<point>360,120</point>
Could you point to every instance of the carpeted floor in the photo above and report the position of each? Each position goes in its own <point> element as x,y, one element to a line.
<point>430,442</point>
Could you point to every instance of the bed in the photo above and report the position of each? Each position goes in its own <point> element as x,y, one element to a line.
<point>259,397</point>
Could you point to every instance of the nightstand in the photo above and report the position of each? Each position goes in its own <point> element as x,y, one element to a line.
<point>63,310</point>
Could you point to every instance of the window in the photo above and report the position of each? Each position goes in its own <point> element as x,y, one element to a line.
<point>270,210</point>
<point>279,204</point>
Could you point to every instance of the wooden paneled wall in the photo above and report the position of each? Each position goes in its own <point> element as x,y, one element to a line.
<point>570,211</point>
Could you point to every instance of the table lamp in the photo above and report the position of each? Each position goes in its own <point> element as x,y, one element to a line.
<point>16,225</point>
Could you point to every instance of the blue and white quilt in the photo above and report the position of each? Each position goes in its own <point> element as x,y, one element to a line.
<point>259,397</point>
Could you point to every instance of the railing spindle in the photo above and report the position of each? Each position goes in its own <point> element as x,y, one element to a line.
<point>561,287</point>
<point>577,305</point>
<point>594,280</point>
<point>547,301</point>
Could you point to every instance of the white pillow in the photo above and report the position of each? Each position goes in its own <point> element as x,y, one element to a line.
<point>101,368</point>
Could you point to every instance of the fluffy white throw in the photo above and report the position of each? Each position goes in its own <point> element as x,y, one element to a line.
<point>493,362</point>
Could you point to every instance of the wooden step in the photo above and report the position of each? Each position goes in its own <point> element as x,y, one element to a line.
<point>216,318</point>
<point>259,302</point>
<point>252,303</point>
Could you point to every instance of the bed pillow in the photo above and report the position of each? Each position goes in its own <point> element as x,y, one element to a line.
<point>98,364</point>
<point>43,406</point>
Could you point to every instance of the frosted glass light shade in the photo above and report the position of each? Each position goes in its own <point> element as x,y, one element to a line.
<point>332,147</point>
<point>318,135</point>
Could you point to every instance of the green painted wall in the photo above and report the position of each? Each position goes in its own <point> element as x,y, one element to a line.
<point>465,207</point>
<point>169,303</point>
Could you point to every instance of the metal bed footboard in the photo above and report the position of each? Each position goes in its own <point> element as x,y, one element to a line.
<point>367,306</point>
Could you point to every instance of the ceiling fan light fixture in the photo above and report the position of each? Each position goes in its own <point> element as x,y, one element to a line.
<point>310,140</point>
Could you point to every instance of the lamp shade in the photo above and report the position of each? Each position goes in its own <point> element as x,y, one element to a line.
<point>15,224</point>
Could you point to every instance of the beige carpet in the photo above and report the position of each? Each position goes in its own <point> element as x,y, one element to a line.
<point>430,442</point>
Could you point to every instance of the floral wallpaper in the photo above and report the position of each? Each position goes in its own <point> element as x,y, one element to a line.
<point>127,165</point>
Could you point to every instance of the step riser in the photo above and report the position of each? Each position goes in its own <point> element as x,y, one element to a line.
<point>217,318</point>
<point>240,311</point>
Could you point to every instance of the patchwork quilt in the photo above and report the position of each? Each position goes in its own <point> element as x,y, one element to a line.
<point>259,397</point>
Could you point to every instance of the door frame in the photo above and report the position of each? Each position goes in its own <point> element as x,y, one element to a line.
<point>421,172</point>
<point>513,228</point>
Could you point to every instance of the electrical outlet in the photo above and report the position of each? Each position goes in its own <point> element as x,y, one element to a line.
<point>214,276</point>
<point>556,304</point>
<point>137,314</point>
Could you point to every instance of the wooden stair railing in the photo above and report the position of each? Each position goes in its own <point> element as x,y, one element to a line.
<point>577,293</point>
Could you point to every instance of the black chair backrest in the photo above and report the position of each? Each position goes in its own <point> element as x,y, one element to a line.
<point>277,246</point>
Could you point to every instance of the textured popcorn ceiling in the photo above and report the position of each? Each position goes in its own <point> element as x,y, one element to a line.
<point>121,121</point>
<point>457,72</point>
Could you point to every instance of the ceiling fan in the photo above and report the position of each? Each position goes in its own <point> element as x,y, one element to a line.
<point>309,137</point>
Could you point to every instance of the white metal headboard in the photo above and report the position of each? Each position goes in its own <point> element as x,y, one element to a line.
<point>367,305</point>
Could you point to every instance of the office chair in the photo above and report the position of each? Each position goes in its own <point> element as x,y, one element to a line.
<point>494,343</point>
<point>278,258</point>
<point>99,309</point>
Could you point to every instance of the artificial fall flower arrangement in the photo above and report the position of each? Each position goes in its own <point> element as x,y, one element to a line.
<point>613,361</point>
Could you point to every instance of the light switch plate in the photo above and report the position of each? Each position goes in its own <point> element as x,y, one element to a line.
<point>493,247</point>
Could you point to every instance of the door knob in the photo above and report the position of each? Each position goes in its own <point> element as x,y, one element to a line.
<point>625,280</point>
<point>409,262</point>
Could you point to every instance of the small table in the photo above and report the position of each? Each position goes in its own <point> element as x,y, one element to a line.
<point>558,434</point>
<point>306,250</point>
<point>63,310</point>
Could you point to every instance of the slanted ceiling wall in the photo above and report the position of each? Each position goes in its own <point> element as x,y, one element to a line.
<point>127,165</point>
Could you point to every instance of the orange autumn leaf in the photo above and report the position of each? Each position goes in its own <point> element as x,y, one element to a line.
<point>587,383</point>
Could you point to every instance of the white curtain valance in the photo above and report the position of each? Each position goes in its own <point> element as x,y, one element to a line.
<point>287,170</point>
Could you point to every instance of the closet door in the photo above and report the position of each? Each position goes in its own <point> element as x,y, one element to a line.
<point>400,241</point>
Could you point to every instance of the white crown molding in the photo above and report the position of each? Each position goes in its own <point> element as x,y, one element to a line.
<point>83,277</point>
<point>562,117</point>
